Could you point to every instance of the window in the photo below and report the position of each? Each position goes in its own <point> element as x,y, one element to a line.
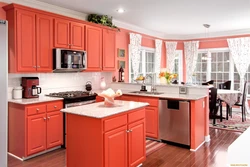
<point>178,66</point>
<point>217,65</point>
<point>146,65</point>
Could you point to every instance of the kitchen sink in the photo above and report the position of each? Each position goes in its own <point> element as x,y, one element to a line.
<point>144,92</point>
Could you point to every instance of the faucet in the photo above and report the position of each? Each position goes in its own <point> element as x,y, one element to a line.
<point>152,76</point>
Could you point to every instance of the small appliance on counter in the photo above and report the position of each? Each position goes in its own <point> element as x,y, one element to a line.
<point>17,92</point>
<point>30,89</point>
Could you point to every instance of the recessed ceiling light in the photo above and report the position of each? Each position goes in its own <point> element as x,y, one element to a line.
<point>120,10</point>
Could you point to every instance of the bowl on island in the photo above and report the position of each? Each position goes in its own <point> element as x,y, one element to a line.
<point>109,96</point>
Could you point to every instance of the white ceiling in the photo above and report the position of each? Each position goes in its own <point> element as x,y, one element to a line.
<point>170,17</point>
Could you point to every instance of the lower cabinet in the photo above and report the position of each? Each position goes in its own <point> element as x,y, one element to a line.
<point>114,141</point>
<point>34,128</point>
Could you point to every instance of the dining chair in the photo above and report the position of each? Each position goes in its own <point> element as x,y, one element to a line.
<point>211,82</point>
<point>213,104</point>
<point>225,85</point>
<point>242,102</point>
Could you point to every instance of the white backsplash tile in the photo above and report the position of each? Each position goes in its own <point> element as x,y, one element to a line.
<point>56,82</point>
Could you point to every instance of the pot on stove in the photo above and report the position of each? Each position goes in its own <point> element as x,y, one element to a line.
<point>88,86</point>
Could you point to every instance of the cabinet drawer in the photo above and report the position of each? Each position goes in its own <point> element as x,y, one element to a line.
<point>55,106</point>
<point>136,115</point>
<point>38,109</point>
<point>115,122</point>
<point>151,101</point>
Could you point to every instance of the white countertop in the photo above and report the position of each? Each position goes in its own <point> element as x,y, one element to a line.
<point>238,152</point>
<point>98,110</point>
<point>164,95</point>
<point>34,100</point>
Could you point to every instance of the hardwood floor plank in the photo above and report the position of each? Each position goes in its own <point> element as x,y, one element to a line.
<point>211,154</point>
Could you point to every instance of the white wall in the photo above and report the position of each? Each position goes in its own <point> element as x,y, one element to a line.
<point>56,82</point>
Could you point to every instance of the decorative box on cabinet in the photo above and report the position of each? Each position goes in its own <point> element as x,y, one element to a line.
<point>68,34</point>
<point>30,40</point>
<point>34,128</point>
<point>123,132</point>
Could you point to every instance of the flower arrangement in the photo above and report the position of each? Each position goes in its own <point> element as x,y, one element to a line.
<point>169,76</point>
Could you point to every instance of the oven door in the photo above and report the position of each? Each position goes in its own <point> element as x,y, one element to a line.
<point>69,60</point>
<point>75,104</point>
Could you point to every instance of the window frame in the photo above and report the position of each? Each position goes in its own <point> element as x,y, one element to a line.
<point>143,50</point>
<point>180,63</point>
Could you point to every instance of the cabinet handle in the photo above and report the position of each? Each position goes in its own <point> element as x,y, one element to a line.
<point>130,130</point>
<point>37,109</point>
<point>55,106</point>
<point>127,131</point>
<point>48,118</point>
<point>38,66</point>
<point>44,118</point>
<point>34,66</point>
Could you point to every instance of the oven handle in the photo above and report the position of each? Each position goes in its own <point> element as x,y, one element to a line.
<point>79,103</point>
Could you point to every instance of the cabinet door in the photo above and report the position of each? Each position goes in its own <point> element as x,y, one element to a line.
<point>77,36</point>
<point>44,39</point>
<point>109,50</point>
<point>151,114</point>
<point>36,133</point>
<point>115,148</point>
<point>26,53</point>
<point>94,48</point>
<point>54,129</point>
<point>136,143</point>
<point>129,98</point>
<point>61,37</point>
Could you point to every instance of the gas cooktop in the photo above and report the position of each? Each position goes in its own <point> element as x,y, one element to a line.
<point>72,94</point>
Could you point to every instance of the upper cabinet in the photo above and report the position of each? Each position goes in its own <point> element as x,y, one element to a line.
<point>101,48</point>
<point>30,41</point>
<point>68,34</point>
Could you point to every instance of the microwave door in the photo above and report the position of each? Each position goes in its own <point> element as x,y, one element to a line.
<point>84,60</point>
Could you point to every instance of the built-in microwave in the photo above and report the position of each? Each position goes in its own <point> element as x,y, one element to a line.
<point>65,60</point>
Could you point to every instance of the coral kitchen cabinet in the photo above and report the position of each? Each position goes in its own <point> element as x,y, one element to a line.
<point>117,140</point>
<point>101,49</point>
<point>34,128</point>
<point>69,34</point>
<point>30,40</point>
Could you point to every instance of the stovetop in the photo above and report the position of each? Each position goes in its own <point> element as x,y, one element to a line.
<point>72,94</point>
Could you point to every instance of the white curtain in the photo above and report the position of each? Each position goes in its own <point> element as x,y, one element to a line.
<point>240,52</point>
<point>134,52</point>
<point>158,46</point>
<point>171,48</point>
<point>191,55</point>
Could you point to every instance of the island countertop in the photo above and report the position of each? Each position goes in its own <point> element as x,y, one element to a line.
<point>98,110</point>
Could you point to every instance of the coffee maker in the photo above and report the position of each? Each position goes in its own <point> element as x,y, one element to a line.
<point>30,89</point>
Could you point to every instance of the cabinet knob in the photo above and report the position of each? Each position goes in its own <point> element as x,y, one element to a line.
<point>37,109</point>
<point>127,131</point>
<point>44,118</point>
<point>130,130</point>
<point>48,118</point>
<point>34,66</point>
<point>55,106</point>
<point>38,66</point>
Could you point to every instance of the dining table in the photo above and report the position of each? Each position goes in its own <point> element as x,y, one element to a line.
<point>230,97</point>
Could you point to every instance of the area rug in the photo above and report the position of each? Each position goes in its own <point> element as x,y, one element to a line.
<point>235,123</point>
<point>152,146</point>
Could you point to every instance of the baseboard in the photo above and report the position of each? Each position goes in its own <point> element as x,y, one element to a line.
<point>197,147</point>
<point>34,155</point>
<point>207,138</point>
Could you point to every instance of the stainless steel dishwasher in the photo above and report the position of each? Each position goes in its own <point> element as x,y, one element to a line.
<point>174,121</point>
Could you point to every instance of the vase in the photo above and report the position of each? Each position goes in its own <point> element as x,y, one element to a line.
<point>168,81</point>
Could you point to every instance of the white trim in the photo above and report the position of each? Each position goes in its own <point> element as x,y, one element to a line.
<point>198,146</point>
<point>180,63</point>
<point>213,50</point>
<point>207,138</point>
<point>34,155</point>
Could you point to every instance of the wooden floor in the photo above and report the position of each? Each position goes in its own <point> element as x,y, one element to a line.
<point>211,154</point>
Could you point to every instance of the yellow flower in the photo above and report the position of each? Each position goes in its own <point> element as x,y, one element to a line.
<point>169,76</point>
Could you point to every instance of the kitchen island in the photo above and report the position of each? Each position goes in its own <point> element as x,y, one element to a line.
<point>100,136</point>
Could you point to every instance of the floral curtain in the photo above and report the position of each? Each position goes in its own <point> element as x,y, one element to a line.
<point>171,48</point>
<point>134,52</point>
<point>191,55</point>
<point>240,52</point>
<point>158,46</point>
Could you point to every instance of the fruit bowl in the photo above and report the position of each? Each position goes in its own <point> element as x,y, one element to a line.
<point>139,81</point>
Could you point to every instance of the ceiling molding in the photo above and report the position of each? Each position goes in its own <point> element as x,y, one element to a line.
<point>82,16</point>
